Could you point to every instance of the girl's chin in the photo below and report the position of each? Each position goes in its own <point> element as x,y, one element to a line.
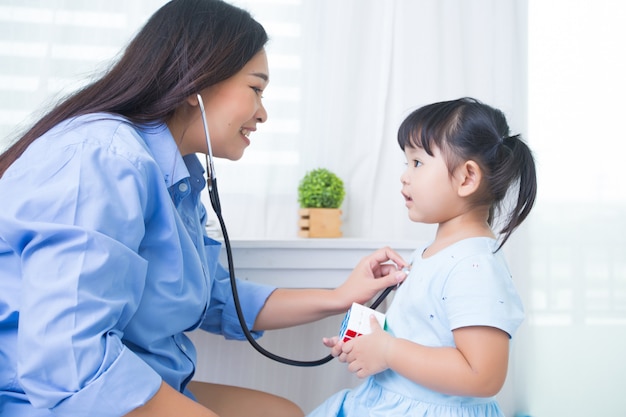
<point>415,218</point>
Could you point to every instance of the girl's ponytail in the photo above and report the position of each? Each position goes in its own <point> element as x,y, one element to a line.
<point>516,170</point>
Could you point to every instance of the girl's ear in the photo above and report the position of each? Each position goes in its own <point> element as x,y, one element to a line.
<point>470,176</point>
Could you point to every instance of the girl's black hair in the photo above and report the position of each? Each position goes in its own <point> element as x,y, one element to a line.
<point>466,129</point>
<point>185,47</point>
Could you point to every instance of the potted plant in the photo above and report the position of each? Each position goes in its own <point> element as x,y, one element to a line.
<point>320,194</point>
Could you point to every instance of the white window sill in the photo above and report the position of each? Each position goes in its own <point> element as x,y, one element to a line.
<point>304,262</point>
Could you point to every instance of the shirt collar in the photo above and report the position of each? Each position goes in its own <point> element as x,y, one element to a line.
<point>163,147</point>
<point>196,172</point>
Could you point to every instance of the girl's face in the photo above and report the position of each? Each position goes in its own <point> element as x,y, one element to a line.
<point>233,108</point>
<point>427,187</point>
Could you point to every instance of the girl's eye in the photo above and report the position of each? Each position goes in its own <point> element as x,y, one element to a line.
<point>416,163</point>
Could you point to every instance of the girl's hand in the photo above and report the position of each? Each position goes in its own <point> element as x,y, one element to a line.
<point>336,347</point>
<point>367,354</point>
<point>375,272</point>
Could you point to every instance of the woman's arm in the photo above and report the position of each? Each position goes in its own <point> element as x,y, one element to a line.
<point>476,367</point>
<point>290,307</point>
<point>169,402</point>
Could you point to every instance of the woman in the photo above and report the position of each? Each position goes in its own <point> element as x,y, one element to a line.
<point>104,261</point>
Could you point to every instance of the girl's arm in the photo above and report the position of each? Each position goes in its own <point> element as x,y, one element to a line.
<point>290,307</point>
<point>476,367</point>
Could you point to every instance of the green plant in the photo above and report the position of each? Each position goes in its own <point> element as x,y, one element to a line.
<point>321,188</point>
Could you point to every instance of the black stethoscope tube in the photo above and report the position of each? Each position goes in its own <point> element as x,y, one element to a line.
<point>215,203</point>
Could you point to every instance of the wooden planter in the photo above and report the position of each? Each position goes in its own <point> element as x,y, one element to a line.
<point>319,222</point>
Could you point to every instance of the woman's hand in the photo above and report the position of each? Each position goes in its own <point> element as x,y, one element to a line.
<point>287,307</point>
<point>366,355</point>
<point>375,272</point>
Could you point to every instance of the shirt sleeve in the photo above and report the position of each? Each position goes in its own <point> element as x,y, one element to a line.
<point>221,316</point>
<point>77,222</point>
<point>480,292</point>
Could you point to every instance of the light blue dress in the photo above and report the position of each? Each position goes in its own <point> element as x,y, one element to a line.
<point>463,285</point>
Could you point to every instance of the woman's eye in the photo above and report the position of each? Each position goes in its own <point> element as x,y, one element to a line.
<point>258,91</point>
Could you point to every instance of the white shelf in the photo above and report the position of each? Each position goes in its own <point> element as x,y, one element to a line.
<point>304,262</point>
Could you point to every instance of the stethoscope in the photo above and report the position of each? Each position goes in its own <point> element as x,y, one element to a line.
<point>215,203</point>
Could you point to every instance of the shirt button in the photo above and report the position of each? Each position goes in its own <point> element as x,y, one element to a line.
<point>183,347</point>
<point>182,187</point>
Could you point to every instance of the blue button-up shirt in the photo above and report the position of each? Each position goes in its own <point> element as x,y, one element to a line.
<point>104,263</point>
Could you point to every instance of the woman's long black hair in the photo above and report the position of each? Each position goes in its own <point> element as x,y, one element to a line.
<point>185,47</point>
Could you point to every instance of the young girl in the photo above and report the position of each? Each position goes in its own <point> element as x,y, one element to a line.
<point>446,349</point>
<point>104,259</point>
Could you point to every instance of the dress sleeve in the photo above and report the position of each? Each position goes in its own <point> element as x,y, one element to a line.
<point>77,223</point>
<point>480,292</point>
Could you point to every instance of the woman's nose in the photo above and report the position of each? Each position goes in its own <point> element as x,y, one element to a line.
<point>261,114</point>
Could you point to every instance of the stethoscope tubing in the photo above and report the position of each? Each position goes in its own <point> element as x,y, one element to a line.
<point>215,203</point>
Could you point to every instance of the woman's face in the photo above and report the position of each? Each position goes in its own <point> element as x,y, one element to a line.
<point>233,108</point>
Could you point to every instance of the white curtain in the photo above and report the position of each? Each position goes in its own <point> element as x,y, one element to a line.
<point>363,66</point>
<point>368,63</point>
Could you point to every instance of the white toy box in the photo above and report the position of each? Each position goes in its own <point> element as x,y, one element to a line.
<point>357,322</point>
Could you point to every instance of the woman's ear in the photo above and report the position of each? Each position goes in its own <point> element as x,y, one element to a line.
<point>192,100</point>
<point>470,176</point>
